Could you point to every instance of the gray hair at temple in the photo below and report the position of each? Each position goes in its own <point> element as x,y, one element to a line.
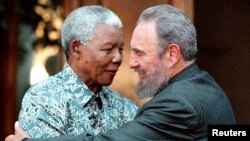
<point>172,27</point>
<point>80,24</point>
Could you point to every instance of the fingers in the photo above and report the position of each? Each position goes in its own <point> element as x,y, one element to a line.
<point>19,130</point>
<point>16,124</point>
<point>10,138</point>
<point>17,127</point>
<point>19,134</point>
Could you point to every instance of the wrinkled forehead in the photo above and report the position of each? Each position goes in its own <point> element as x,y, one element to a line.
<point>108,34</point>
<point>103,29</point>
<point>144,35</point>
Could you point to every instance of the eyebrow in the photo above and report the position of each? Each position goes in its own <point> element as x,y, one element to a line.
<point>114,44</point>
<point>137,50</point>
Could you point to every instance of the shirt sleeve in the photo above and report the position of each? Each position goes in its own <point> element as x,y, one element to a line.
<point>41,115</point>
<point>129,110</point>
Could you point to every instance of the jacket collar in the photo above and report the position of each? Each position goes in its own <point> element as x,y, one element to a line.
<point>186,73</point>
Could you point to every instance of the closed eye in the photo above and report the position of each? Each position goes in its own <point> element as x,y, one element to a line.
<point>107,51</point>
<point>138,52</point>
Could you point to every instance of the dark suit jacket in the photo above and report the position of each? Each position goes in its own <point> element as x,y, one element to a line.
<point>181,111</point>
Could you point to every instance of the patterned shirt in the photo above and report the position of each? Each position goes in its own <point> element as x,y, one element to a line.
<point>63,104</point>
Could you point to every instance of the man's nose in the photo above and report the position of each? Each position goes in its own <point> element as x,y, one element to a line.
<point>133,63</point>
<point>117,57</point>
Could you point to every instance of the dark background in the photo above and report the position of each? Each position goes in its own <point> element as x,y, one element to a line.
<point>223,28</point>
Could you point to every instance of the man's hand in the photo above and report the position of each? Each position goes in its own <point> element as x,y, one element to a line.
<point>19,134</point>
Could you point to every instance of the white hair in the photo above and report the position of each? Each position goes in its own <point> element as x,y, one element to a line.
<point>80,24</point>
<point>172,26</point>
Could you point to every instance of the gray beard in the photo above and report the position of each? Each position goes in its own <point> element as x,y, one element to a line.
<point>155,83</point>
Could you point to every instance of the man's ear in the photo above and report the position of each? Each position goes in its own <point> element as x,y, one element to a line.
<point>172,55</point>
<point>74,48</point>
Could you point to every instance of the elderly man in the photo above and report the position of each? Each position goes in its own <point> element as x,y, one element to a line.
<point>76,100</point>
<point>185,100</point>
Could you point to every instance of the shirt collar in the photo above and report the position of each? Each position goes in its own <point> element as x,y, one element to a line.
<point>74,85</point>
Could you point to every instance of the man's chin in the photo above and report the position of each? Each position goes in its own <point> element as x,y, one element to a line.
<point>108,81</point>
<point>142,82</point>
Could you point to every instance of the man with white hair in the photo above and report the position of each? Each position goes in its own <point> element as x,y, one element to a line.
<point>76,100</point>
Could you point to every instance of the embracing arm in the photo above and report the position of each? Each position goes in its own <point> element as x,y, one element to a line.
<point>169,119</point>
<point>21,135</point>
